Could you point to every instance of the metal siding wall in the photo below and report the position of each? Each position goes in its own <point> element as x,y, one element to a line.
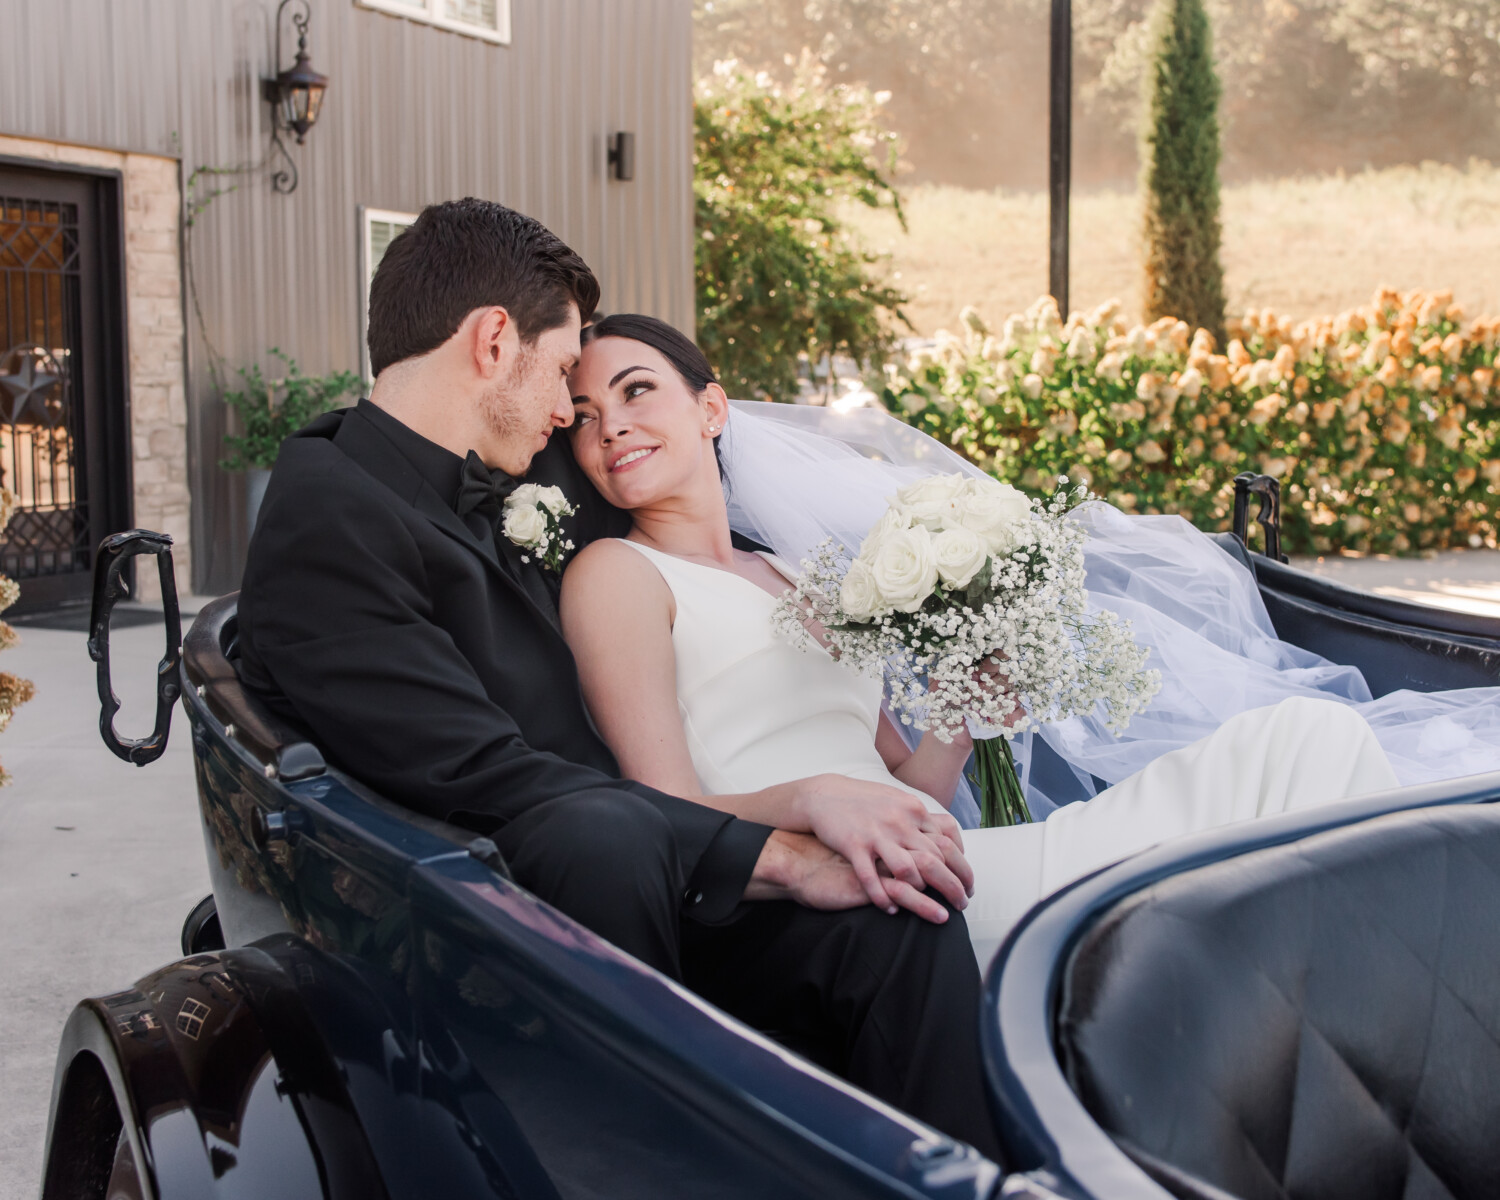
<point>413,115</point>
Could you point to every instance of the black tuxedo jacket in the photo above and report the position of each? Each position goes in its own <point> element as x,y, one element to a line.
<point>411,653</point>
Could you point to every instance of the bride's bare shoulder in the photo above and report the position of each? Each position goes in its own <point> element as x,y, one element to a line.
<point>608,574</point>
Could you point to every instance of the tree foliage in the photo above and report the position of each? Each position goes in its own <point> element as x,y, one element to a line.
<point>778,274</point>
<point>1180,171</point>
<point>951,66</point>
<point>1309,85</point>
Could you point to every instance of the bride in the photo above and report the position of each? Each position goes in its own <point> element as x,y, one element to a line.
<point>698,697</point>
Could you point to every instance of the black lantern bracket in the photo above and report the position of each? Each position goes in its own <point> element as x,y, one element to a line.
<point>295,95</point>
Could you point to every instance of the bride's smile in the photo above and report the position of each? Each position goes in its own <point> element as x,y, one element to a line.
<point>623,462</point>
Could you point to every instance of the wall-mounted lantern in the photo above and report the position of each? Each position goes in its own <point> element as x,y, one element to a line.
<point>622,156</point>
<point>295,95</point>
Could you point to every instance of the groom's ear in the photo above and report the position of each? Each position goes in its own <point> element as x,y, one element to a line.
<point>493,340</point>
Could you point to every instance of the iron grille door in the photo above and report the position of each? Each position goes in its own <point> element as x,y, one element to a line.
<point>61,413</point>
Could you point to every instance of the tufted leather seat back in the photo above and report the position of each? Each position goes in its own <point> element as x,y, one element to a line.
<point>1314,1020</point>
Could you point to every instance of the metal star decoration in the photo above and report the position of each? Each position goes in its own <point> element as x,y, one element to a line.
<point>29,387</point>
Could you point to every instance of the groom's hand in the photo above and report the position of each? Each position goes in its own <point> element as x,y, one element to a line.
<point>894,845</point>
<point>797,866</point>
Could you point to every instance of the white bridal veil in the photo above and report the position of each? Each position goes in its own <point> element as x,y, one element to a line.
<point>798,474</point>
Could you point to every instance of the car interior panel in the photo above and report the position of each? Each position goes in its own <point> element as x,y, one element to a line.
<point>1310,1007</point>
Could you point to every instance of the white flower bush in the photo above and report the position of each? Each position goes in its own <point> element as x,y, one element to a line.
<point>969,599</point>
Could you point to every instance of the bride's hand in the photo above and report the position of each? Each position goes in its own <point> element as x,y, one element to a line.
<point>990,675</point>
<point>874,826</point>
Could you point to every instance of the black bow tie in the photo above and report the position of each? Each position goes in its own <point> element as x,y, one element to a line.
<point>482,491</point>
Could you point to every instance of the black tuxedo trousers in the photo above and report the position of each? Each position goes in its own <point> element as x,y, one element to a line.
<point>410,650</point>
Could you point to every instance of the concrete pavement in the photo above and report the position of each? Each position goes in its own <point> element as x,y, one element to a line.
<point>99,864</point>
<point>1466,580</point>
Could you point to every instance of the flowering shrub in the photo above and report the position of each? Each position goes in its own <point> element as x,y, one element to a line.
<point>14,691</point>
<point>1383,424</point>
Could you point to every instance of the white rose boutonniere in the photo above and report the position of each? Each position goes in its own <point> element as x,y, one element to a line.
<point>533,520</point>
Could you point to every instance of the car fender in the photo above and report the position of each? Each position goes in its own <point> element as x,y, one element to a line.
<point>219,1082</point>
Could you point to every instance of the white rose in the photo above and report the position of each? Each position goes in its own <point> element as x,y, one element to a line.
<point>930,500</point>
<point>893,520</point>
<point>524,524</point>
<point>993,510</point>
<point>553,500</point>
<point>958,554</point>
<point>903,569</point>
<point>525,493</point>
<point>859,597</point>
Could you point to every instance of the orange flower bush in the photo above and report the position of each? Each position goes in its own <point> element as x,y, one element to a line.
<point>14,691</point>
<point>1383,424</point>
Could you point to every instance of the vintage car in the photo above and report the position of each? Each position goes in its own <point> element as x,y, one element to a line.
<point>368,1006</point>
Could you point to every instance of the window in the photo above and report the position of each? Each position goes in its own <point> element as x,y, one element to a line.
<point>378,228</point>
<point>488,19</point>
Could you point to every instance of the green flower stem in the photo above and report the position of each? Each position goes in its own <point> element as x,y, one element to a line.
<point>1001,800</point>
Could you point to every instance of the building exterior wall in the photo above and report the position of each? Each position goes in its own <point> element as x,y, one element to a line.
<point>156,373</point>
<point>414,114</point>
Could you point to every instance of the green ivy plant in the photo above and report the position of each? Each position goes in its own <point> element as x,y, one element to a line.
<point>780,279</point>
<point>271,410</point>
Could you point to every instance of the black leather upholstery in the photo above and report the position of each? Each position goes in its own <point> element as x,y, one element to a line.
<point>207,654</point>
<point>1315,1020</point>
<point>1395,643</point>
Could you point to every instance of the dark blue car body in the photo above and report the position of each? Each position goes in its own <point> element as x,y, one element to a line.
<point>392,1016</point>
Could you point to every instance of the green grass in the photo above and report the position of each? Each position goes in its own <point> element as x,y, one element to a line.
<point>1303,246</point>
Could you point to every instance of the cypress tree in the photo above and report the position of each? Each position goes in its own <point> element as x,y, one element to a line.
<point>1180,170</point>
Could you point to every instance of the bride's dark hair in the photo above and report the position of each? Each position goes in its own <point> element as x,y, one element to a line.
<point>672,344</point>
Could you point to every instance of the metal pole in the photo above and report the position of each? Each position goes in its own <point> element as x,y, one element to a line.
<point>1060,142</point>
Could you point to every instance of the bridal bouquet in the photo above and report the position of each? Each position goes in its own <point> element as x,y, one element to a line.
<point>970,599</point>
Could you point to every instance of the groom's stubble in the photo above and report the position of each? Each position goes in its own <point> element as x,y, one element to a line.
<point>505,408</point>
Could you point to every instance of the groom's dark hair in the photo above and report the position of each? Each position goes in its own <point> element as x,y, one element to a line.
<point>468,254</point>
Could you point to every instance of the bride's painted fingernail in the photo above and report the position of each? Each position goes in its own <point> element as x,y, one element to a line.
<point>892,910</point>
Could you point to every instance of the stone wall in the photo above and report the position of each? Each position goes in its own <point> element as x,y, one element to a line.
<point>154,334</point>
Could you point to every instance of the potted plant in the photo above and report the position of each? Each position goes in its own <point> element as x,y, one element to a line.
<point>271,410</point>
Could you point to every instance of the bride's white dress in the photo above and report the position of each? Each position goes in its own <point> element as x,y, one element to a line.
<point>758,711</point>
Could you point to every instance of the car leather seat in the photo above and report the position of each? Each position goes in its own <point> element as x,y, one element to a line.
<point>1318,1019</point>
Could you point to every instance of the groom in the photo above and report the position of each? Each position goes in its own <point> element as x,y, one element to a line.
<point>385,615</point>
